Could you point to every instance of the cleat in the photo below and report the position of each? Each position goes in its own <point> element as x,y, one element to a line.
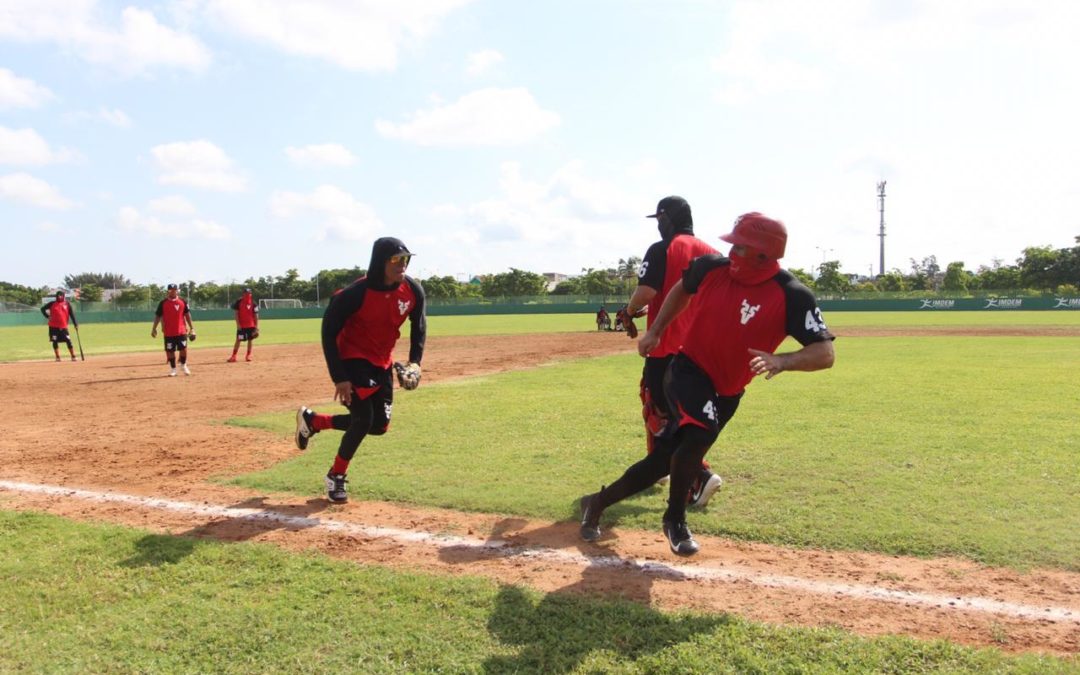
<point>186,370</point>
<point>231,359</point>
<point>664,481</point>
<point>704,488</point>
<point>58,359</point>
<point>172,372</point>
<point>336,491</point>
<point>249,357</point>
<point>74,359</point>
<point>304,430</point>
<point>679,538</point>
<point>590,518</point>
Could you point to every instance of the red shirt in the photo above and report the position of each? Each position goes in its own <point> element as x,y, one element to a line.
<point>663,265</point>
<point>247,313</point>
<point>171,312</point>
<point>732,317</point>
<point>58,312</point>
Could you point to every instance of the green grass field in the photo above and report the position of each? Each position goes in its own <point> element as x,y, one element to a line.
<point>922,446</point>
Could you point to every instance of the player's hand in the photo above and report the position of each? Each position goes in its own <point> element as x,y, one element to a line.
<point>343,392</point>
<point>647,343</point>
<point>764,363</point>
<point>153,332</point>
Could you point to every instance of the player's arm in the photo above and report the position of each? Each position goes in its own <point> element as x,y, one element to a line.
<point>677,300</point>
<point>417,323</point>
<point>187,318</point>
<point>340,308</point>
<point>640,299</point>
<point>814,356</point>
<point>45,309</point>
<point>804,323</point>
<point>236,312</point>
<point>157,318</point>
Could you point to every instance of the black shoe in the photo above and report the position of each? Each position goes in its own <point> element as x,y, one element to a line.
<point>590,519</point>
<point>336,491</point>
<point>679,538</point>
<point>304,430</point>
<point>705,486</point>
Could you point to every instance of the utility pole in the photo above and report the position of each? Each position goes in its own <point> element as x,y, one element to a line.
<point>881,230</point>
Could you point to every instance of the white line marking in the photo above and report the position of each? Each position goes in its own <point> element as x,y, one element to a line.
<point>503,548</point>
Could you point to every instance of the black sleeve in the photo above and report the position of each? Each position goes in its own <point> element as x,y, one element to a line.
<point>160,309</point>
<point>804,321</point>
<point>338,311</point>
<point>417,323</point>
<point>236,305</point>
<point>654,267</point>
<point>46,308</point>
<point>699,267</point>
<point>187,310</point>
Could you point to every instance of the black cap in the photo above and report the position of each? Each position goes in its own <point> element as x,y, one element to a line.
<point>247,290</point>
<point>676,207</point>
<point>59,293</point>
<point>171,287</point>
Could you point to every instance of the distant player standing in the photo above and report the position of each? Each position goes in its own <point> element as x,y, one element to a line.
<point>247,323</point>
<point>59,312</point>
<point>175,318</point>
<point>361,325</point>
<point>661,268</point>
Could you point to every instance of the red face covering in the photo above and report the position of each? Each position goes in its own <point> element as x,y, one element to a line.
<point>752,269</point>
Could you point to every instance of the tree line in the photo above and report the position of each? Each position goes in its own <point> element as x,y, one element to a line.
<point>1040,269</point>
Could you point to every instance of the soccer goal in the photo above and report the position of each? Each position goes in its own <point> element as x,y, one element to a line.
<point>280,303</point>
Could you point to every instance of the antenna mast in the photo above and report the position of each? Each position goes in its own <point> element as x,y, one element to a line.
<point>881,230</point>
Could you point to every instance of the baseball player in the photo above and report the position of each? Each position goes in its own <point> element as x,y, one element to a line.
<point>743,305</point>
<point>59,312</point>
<point>361,325</point>
<point>664,261</point>
<point>247,323</point>
<point>175,318</point>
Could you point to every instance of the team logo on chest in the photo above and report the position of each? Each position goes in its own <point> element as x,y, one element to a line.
<point>748,311</point>
<point>403,306</point>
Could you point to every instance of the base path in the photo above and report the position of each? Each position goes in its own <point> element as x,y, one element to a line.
<point>82,464</point>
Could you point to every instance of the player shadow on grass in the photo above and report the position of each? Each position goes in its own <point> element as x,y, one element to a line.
<point>607,608</point>
<point>164,549</point>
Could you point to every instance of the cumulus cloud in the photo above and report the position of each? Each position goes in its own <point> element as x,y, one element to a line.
<point>26,189</point>
<point>342,217</point>
<point>498,117</point>
<point>365,35</point>
<point>24,147</point>
<point>325,154</point>
<point>198,164</point>
<point>173,205</point>
<point>132,43</point>
<point>130,219</point>
<point>19,92</point>
<point>482,61</point>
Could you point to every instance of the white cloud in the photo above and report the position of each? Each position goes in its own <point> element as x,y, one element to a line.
<point>115,117</point>
<point>134,44</point>
<point>325,154</point>
<point>24,147</point>
<point>198,164</point>
<point>173,205</point>
<point>22,187</point>
<point>129,219</point>
<point>19,92</point>
<point>342,217</point>
<point>498,117</point>
<point>360,35</point>
<point>482,61</point>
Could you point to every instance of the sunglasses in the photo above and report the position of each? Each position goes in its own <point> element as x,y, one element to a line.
<point>395,259</point>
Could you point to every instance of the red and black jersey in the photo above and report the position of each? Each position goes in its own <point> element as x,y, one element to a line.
<point>171,311</point>
<point>59,312</point>
<point>363,322</point>
<point>730,317</point>
<point>664,262</point>
<point>247,312</point>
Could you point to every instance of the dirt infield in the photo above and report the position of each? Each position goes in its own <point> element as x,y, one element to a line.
<point>126,401</point>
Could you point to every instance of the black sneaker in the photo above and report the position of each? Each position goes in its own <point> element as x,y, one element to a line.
<point>590,519</point>
<point>679,538</point>
<point>705,486</point>
<point>336,491</point>
<point>304,430</point>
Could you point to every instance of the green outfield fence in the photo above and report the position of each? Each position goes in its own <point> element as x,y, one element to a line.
<point>101,313</point>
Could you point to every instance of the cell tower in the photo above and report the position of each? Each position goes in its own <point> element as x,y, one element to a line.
<point>881,230</point>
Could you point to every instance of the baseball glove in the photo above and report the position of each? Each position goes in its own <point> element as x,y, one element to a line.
<point>408,375</point>
<point>254,333</point>
<point>191,336</point>
<point>627,321</point>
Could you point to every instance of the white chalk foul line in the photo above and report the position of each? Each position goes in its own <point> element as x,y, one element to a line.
<point>502,548</point>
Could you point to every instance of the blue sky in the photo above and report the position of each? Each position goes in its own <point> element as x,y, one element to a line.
<point>221,139</point>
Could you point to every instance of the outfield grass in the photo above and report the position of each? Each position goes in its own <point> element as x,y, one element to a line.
<point>918,446</point>
<point>83,598</point>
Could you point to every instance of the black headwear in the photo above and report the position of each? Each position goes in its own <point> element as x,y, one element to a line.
<point>673,217</point>
<point>383,249</point>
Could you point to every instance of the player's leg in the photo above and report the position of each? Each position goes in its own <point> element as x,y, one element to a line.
<point>360,415</point>
<point>183,357</point>
<point>638,477</point>
<point>236,346</point>
<point>54,338</point>
<point>170,356</point>
<point>250,338</point>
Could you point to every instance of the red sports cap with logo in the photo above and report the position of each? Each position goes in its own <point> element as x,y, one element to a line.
<point>760,233</point>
